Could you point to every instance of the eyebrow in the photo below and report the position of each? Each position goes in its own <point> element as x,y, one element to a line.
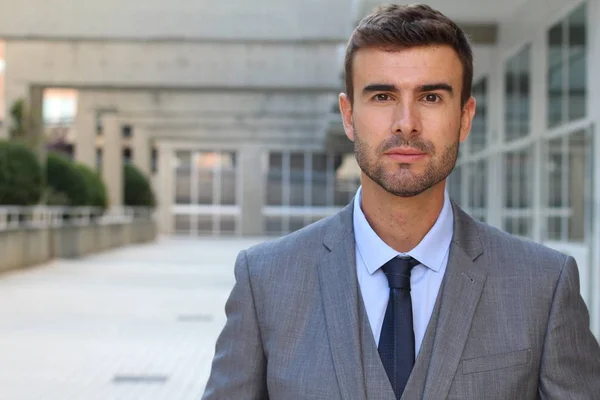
<point>430,87</point>
<point>435,86</point>
<point>379,87</point>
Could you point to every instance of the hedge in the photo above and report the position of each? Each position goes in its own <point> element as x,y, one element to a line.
<point>21,176</point>
<point>97,195</point>
<point>138,191</point>
<point>65,179</point>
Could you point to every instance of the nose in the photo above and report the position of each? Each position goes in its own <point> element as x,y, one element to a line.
<point>406,119</point>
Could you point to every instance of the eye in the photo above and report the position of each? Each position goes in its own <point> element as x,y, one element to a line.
<point>381,97</point>
<point>432,98</point>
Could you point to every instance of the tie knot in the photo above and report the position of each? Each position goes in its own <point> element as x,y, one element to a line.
<point>397,271</point>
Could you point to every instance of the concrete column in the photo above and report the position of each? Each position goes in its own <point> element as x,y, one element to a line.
<point>112,159</point>
<point>141,150</point>
<point>13,91</point>
<point>495,177</point>
<point>252,190</point>
<point>538,128</point>
<point>85,133</point>
<point>164,188</point>
<point>35,122</point>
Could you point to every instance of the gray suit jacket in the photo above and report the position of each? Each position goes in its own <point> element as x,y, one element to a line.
<point>509,323</point>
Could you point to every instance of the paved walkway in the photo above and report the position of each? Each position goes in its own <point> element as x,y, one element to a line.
<point>136,323</point>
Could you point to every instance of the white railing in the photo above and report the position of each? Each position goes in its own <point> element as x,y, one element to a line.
<point>15,217</point>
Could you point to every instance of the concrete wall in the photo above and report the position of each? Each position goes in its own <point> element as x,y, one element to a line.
<point>25,247</point>
<point>187,19</point>
<point>175,64</point>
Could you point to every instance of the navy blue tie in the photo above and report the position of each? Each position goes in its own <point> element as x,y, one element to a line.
<point>397,340</point>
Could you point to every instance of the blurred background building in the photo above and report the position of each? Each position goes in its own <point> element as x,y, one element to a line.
<point>231,109</point>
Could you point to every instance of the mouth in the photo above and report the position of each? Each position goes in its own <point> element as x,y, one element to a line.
<point>405,155</point>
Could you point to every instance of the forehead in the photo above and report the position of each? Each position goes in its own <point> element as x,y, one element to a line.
<point>406,66</point>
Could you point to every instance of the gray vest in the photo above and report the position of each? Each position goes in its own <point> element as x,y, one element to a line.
<point>377,384</point>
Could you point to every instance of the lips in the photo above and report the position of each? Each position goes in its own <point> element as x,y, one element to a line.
<point>405,155</point>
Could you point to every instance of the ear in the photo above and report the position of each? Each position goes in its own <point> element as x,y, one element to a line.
<point>346,111</point>
<point>466,118</point>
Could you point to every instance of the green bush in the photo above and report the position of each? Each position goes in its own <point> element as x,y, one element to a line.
<point>66,180</point>
<point>21,177</point>
<point>138,191</point>
<point>96,188</point>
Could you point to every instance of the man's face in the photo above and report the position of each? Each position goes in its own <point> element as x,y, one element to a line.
<point>406,120</point>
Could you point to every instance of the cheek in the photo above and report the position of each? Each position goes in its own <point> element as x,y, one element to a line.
<point>373,123</point>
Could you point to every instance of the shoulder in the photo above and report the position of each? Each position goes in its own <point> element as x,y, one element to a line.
<point>298,248</point>
<point>518,254</point>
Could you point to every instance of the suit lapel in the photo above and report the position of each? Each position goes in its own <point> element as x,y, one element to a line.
<point>339,291</point>
<point>461,290</point>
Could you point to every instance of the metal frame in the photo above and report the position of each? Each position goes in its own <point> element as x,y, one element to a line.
<point>214,210</point>
<point>307,213</point>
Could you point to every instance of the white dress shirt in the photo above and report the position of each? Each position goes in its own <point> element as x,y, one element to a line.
<point>426,278</point>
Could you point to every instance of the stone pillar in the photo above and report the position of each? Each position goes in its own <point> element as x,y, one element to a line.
<point>13,91</point>
<point>85,133</point>
<point>112,159</point>
<point>35,122</point>
<point>495,178</point>
<point>141,150</point>
<point>252,186</point>
<point>165,188</point>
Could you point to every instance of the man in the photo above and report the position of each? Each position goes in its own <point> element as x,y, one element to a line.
<point>401,294</point>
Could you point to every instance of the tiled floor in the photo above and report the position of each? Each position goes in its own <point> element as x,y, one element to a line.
<point>135,323</point>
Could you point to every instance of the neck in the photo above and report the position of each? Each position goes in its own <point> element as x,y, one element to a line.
<point>401,222</point>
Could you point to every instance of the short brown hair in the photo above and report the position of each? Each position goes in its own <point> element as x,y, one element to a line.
<point>392,26</point>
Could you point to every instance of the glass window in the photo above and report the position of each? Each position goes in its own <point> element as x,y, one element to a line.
<point>517,95</point>
<point>273,225</point>
<point>577,77</point>
<point>478,189</point>
<point>228,178</point>
<point>98,159</point>
<point>454,184</point>
<point>275,179</point>
<point>183,224</point>
<point>518,179</point>
<point>204,224</point>
<point>567,72</point>
<point>518,192</point>
<point>296,223</point>
<point>126,131</point>
<point>347,178</point>
<point>206,164</point>
<point>555,165</point>
<point>319,178</point>
<point>183,168</point>
<point>127,155</point>
<point>154,160</point>
<point>568,170</point>
<point>579,160</point>
<point>478,134</point>
<point>555,75</point>
<point>297,179</point>
<point>227,225</point>
<point>316,181</point>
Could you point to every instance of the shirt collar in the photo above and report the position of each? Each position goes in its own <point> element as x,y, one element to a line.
<point>431,251</point>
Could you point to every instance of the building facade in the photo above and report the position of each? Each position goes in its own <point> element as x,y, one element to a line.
<point>231,110</point>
